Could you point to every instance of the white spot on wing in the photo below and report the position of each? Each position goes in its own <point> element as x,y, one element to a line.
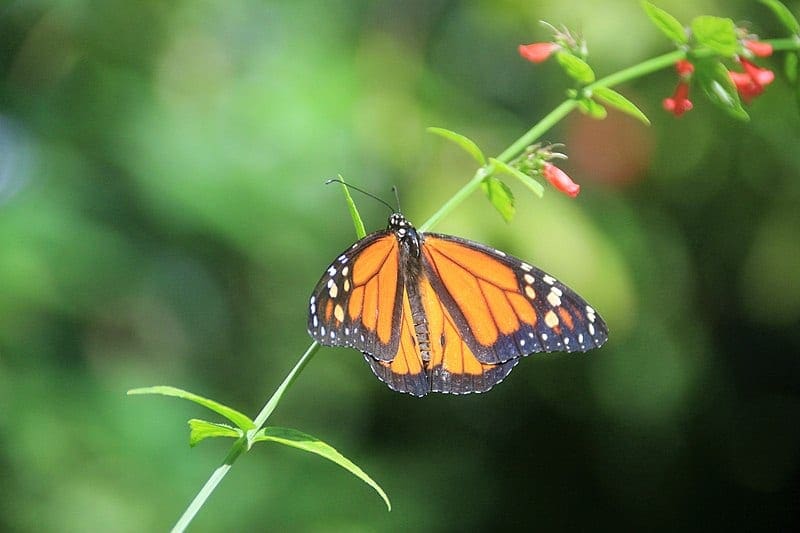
<point>549,279</point>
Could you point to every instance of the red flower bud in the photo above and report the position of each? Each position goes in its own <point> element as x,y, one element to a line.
<point>684,68</point>
<point>679,103</point>
<point>559,179</point>
<point>537,52</point>
<point>758,48</point>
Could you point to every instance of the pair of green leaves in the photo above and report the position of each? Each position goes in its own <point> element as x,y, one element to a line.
<point>496,190</point>
<point>710,41</point>
<point>591,99</point>
<point>244,428</point>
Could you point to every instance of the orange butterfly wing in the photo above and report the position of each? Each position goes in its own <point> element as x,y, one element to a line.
<point>358,303</point>
<point>504,308</point>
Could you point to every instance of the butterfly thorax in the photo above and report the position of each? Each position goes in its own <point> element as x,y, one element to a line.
<point>405,232</point>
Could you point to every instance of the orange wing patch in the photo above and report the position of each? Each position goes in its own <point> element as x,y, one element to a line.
<point>485,290</point>
<point>374,279</point>
<point>404,372</point>
<point>452,366</point>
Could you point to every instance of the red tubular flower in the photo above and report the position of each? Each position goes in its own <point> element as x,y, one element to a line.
<point>559,179</point>
<point>758,48</point>
<point>760,76</point>
<point>679,103</point>
<point>746,87</point>
<point>538,52</point>
<point>752,81</point>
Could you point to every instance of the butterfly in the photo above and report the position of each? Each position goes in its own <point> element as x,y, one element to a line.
<point>437,313</point>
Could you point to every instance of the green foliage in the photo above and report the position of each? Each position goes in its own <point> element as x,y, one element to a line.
<point>591,108</point>
<point>526,180</point>
<point>669,25</point>
<point>715,33</point>
<point>575,67</point>
<point>618,101</point>
<point>203,429</point>
<point>303,441</point>
<point>500,196</point>
<point>467,144</point>
<point>712,77</point>
<point>354,214</point>
<point>240,420</point>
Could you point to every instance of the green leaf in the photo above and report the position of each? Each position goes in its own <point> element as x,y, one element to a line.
<point>575,67</point>
<point>790,67</point>
<point>784,15</point>
<point>298,439</point>
<point>592,108</point>
<point>500,196</point>
<point>669,25</point>
<point>202,429</point>
<point>616,100</point>
<point>351,205</point>
<point>526,180</point>
<point>467,144</point>
<point>716,33</point>
<point>712,76</point>
<point>239,419</point>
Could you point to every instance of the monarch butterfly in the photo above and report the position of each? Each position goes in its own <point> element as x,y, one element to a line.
<point>438,313</point>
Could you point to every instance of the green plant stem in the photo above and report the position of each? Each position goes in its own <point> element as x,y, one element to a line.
<point>550,120</point>
<point>242,443</point>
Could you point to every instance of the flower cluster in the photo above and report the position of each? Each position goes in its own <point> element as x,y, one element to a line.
<point>535,161</point>
<point>679,102</point>
<point>749,84</point>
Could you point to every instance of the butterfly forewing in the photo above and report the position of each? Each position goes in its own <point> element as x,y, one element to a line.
<point>505,308</point>
<point>357,302</point>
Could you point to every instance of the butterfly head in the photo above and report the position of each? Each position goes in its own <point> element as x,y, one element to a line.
<point>405,232</point>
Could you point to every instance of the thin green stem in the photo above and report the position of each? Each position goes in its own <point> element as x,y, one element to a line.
<point>241,444</point>
<point>547,122</point>
<point>270,406</point>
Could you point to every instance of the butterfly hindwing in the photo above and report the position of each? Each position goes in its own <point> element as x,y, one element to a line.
<point>404,372</point>
<point>358,303</point>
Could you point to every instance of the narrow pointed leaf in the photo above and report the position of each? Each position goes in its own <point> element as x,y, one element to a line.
<point>239,419</point>
<point>500,196</point>
<point>351,206</point>
<point>616,100</point>
<point>575,67</point>
<point>467,144</point>
<point>669,25</point>
<point>526,180</point>
<point>303,441</point>
<point>716,33</point>
<point>712,76</point>
<point>203,429</point>
<point>784,15</point>
<point>592,108</point>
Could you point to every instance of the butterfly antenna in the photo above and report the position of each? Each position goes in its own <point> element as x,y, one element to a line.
<point>397,198</point>
<point>362,191</point>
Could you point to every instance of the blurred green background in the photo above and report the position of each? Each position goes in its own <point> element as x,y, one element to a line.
<point>163,220</point>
